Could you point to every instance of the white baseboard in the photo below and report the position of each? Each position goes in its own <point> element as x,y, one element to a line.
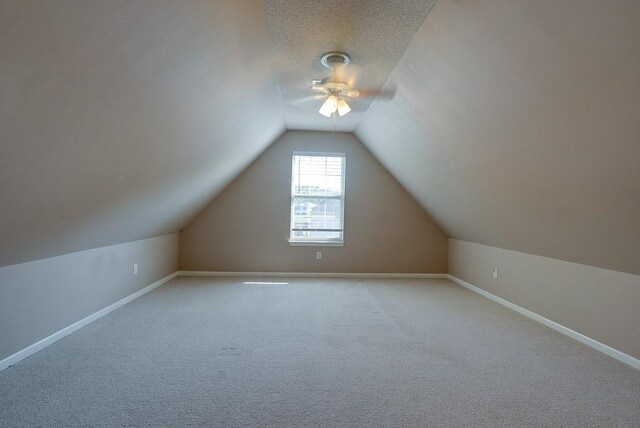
<point>32,349</point>
<point>314,274</point>
<point>605,349</point>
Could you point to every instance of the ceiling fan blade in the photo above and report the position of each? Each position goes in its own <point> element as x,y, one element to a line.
<point>386,93</point>
<point>350,74</point>
<point>304,100</point>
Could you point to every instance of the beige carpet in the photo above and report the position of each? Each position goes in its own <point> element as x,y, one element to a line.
<point>325,353</point>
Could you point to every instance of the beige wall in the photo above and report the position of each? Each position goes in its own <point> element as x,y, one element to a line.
<point>246,228</point>
<point>42,297</point>
<point>599,303</point>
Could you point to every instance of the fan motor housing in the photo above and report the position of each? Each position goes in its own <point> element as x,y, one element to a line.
<point>329,86</point>
<point>332,86</point>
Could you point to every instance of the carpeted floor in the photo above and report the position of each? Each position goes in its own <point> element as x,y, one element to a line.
<point>325,353</point>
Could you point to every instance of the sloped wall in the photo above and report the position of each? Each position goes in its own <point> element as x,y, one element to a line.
<point>246,227</point>
<point>529,112</point>
<point>121,120</point>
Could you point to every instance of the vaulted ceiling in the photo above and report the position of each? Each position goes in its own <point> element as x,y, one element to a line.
<point>122,119</point>
<point>514,124</point>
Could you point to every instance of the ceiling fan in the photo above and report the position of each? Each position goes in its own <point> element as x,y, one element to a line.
<point>335,88</point>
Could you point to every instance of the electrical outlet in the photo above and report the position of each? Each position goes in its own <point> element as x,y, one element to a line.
<point>135,268</point>
<point>319,255</point>
<point>494,273</point>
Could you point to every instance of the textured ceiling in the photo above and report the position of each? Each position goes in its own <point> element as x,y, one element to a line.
<point>374,33</point>
<point>517,125</point>
<point>120,120</point>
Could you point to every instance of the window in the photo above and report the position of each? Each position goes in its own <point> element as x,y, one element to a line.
<point>317,198</point>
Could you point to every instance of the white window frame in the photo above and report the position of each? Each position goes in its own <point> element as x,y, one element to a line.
<point>315,242</point>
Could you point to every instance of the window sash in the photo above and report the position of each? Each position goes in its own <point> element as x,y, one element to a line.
<point>328,172</point>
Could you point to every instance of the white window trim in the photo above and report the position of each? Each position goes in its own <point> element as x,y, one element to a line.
<point>316,242</point>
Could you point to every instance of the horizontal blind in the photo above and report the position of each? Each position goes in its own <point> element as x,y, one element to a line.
<point>317,197</point>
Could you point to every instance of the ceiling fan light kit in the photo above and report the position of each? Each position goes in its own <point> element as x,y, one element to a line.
<point>333,104</point>
<point>343,107</point>
<point>329,106</point>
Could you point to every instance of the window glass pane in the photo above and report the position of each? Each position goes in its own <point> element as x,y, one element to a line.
<point>317,175</point>
<point>317,213</point>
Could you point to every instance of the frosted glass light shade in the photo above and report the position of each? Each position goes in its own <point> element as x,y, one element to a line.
<point>329,107</point>
<point>343,108</point>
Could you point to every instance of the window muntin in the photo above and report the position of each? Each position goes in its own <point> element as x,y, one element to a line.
<point>317,197</point>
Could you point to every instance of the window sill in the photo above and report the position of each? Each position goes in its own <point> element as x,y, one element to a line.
<point>316,244</point>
